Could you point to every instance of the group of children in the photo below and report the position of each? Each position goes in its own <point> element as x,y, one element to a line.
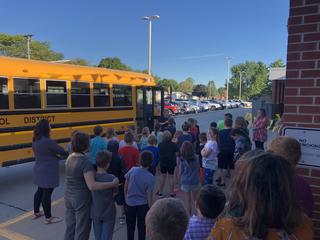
<point>189,157</point>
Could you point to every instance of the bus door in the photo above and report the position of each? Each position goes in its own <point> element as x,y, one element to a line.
<point>149,106</point>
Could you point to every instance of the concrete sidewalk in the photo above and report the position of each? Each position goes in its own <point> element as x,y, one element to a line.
<point>24,228</point>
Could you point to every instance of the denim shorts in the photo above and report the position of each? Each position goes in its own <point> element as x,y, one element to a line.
<point>189,188</point>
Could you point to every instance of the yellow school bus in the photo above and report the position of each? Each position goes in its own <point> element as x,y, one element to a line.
<point>71,98</point>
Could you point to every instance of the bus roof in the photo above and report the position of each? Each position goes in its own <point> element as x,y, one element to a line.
<point>19,67</point>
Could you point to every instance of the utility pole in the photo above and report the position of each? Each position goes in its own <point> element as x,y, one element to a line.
<point>28,37</point>
<point>149,19</point>
<point>228,79</point>
<point>240,85</point>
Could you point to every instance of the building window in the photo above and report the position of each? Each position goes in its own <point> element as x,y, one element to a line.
<point>4,98</point>
<point>56,94</point>
<point>122,95</point>
<point>101,93</point>
<point>27,93</point>
<point>80,94</point>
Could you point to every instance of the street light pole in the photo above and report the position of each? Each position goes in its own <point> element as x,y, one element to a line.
<point>28,37</point>
<point>240,85</point>
<point>149,19</point>
<point>228,61</point>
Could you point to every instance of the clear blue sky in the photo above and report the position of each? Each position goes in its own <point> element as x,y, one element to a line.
<point>191,38</point>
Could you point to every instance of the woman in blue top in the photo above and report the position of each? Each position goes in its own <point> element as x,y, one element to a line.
<point>190,178</point>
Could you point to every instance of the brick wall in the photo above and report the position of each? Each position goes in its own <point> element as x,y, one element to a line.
<point>302,90</point>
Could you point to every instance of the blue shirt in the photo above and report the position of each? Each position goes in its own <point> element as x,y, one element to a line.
<point>155,152</point>
<point>199,228</point>
<point>97,144</point>
<point>143,142</point>
<point>190,172</point>
<point>140,183</point>
<point>226,143</point>
<point>183,138</point>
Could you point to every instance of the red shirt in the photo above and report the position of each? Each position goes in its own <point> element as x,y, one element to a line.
<point>130,156</point>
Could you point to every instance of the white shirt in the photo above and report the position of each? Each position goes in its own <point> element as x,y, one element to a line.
<point>211,161</point>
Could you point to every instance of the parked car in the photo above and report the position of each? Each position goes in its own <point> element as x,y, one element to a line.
<point>219,104</point>
<point>171,107</point>
<point>184,107</point>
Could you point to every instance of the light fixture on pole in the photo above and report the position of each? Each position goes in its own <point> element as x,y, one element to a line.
<point>150,19</point>
<point>228,78</point>
<point>28,37</point>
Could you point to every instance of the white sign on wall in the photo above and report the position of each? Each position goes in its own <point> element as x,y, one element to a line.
<point>309,139</point>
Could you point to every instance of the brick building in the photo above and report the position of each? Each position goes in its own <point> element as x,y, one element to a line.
<point>302,85</point>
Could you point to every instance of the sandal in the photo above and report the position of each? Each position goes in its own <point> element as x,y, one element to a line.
<point>159,194</point>
<point>52,220</point>
<point>172,195</point>
<point>37,215</point>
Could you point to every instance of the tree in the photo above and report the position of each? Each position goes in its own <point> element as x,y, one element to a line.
<point>186,85</point>
<point>254,79</point>
<point>169,85</point>
<point>200,90</point>
<point>113,63</point>
<point>278,63</point>
<point>212,89</point>
<point>16,46</point>
<point>78,61</point>
<point>222,92</point>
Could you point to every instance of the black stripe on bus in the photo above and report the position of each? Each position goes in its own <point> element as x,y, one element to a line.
<point>19,161</point>
<point>61,125</point>
<point>29,145</point>
<point>18,112</point>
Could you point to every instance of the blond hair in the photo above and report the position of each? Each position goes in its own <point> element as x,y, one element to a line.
<point>167,136</point>
<point>286,147</point>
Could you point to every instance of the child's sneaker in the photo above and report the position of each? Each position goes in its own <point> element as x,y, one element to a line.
<point>122,219</point>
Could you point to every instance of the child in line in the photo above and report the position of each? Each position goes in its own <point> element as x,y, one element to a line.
<point>175,138</point>
<point>167,151</point>
<point>242,143</point>
<point>202,142</point>
<point>97,144</point>
<point>171,126</point>
<point>225,157</point>
<point>157,133</point>
<point>103,210</point>
<point>117,168</point>
<point>167,219</point>
<point>209,204</point>
<point>143,143</point>
<point>209,155</point>
<point>290,149</point>
<point>186,135</point>
<point>152,147</point>
<point>190,179</point>
<point>138,190</point>
<point>134,143</point>
<point>111,135</point>
<point>129,153</point>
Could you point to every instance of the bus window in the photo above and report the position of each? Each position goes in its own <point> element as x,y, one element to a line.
<point>80,94</point>
<point>122,95</point>
<point>27,93</point>
<point>157,103</point>
<point>101,93</point>
<point>56,94</point>
<point>4,99</point>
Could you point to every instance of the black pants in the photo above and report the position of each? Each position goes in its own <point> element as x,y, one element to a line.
<point>138,213</point>
<point>43,196</point>
<point>259,145</point>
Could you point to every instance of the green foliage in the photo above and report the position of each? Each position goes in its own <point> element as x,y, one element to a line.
<point>186,85</point>
<point>78,61</point>
<point>222,92</point>
<point>212,89</point>
<point>113,63</point>
<point>169,85</point>
<point>278,63</point>
<point>16,46</point>
<point>254,79</point>
<point>200,90</point>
